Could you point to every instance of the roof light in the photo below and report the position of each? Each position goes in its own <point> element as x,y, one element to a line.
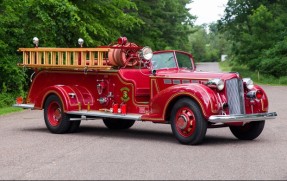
<point>122,40</point>
<point>80,42</point>
<point>36,41</point>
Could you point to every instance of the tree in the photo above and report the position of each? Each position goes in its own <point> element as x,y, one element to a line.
<point>199,42</point>
<point>166,24</point>
<point>103,21</point>
<point>208,44</point>
<point>257,30</point>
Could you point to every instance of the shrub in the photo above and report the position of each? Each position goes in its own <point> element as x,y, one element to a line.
<point>6,100</point>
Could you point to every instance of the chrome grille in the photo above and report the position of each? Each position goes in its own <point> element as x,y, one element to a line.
<point>235,95</point>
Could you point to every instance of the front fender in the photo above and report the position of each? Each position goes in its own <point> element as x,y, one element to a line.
<point>72,97</point>
<point>162,103</point>
<point>259,106</point>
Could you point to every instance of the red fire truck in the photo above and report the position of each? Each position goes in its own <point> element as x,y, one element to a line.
<point>123,83</point>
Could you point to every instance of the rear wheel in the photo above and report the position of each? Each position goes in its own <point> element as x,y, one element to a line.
<point>187,122</point>
<point>55,119</point>
<point>118,124</point>
<point>249,131</point>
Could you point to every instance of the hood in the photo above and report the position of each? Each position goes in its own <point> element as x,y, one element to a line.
<point>186,74</point>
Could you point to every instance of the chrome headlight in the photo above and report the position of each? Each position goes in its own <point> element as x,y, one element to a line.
<point>218,83</point>
<point>248,82</point>
<point>146,53</point>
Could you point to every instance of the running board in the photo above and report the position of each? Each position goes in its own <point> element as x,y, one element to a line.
<point>101,114</point>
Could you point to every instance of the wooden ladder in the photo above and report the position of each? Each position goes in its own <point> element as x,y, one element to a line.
<point>65,58</point>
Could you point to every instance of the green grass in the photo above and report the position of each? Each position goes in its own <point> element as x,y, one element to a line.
<point>256,76</point>
<point>225,66</point>
<point>6,110</point>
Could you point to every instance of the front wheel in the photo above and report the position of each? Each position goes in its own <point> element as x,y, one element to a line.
<point>75,125</point>
<point>249,131</point>
<point>118,124</point>
<point>187,122</point>
<point>55,118</point>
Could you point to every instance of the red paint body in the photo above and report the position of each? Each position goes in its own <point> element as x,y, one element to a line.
<point>139,89</point>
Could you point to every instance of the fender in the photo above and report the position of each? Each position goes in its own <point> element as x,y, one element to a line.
<point>72,97</point>
<point>163,102</point>
<point>259,106</point>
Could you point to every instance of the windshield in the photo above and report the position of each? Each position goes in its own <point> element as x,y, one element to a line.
<point>167,60</point>
<point>163,60</point>
<point>183,61</point>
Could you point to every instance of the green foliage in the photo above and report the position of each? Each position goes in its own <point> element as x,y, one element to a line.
<point>258,77</point>
<point>61,23</point>
<point>257,30</point>
<point>6,99</point>
<point>274,61</point>
<point>12,81</point>
<point>166,24</point>
<point>13,77</point>
<point>208,46</point>
<point>198,41</point>
<point>225,66</point>
<point>103,21</point>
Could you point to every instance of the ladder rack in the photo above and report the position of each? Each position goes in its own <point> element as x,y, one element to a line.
<point>65,58</point>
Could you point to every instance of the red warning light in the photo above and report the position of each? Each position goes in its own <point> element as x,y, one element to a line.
<point>19,100</point>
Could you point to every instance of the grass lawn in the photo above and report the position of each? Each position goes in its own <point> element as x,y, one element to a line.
<point>6,110</point>
<point>256,76</point>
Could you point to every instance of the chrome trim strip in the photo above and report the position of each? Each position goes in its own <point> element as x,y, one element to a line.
<point>101,114</point>
<point>185,81</point>
<point>167,81</point>
<point>25,106</point>
<point>176,81</point>
<point>242,117</point>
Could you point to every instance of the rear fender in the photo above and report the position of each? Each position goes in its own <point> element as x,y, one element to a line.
<point>163,102</point>
<point>72,97</point>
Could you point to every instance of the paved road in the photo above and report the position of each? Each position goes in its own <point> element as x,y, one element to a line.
<point>146,151</point>
<point>208,67</point>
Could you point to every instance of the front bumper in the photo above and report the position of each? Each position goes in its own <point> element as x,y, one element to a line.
<point>241,117</point>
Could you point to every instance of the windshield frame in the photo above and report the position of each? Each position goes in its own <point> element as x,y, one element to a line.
<point>176,65</point>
